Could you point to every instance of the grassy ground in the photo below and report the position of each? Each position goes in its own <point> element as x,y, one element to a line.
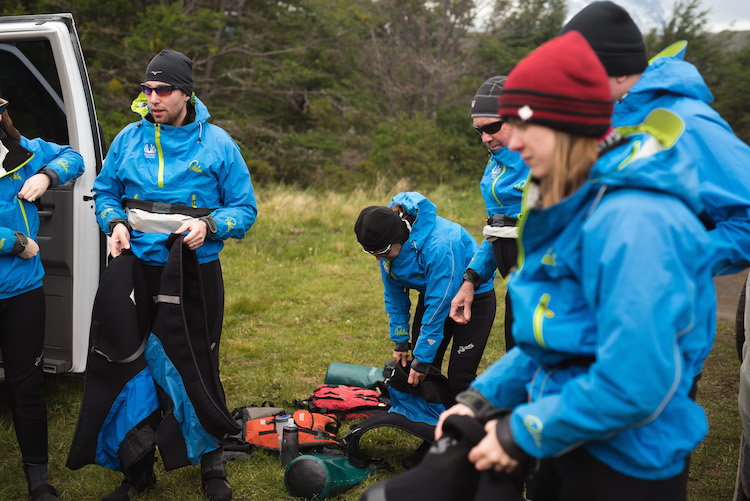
<point>300,294</point>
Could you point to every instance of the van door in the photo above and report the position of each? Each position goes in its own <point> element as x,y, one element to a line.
<point>43,76</point>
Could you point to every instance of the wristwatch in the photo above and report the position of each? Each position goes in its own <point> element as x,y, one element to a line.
<point>21,243</point>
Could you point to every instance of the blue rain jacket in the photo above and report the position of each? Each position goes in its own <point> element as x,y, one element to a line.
<point>22,275</point>
<point>721,158</point>
<point>196,165</point>
<point>614,313</point>
<point>432,261</point>
<point>502,190</point>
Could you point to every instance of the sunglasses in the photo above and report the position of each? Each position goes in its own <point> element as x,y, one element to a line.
<point>3,104</point>
<point>161,91</point>
<point>490,129</point>
<point>380,252</point>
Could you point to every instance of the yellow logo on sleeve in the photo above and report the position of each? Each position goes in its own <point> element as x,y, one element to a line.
<point>534,426</point>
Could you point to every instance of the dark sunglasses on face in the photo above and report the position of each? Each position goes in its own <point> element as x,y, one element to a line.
<point>490,129</point>
<point>380,252</point>
<point>161,91</point>
<point>3,104</point>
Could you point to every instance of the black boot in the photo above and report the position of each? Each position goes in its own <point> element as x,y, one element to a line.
<point>137,479</point>
<point>214,478</point>
<point>38,479</point>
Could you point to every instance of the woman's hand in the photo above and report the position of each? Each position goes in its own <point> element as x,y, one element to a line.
<point>31,249</point>
<point>489,454</point>
<point>34,187</point>
<point>459,409</point>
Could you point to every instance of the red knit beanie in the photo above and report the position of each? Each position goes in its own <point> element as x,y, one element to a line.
<point>562,85</point>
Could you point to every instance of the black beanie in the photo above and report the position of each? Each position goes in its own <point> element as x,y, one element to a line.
<point>484,103</point>
<point>173,68</point>
<point>613,35</point>
<point>378,226</point>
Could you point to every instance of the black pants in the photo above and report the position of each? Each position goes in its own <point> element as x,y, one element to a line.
<point>469,340</point>
<point>579,476</point>
<point>22,322</point>
<point>506,258</point>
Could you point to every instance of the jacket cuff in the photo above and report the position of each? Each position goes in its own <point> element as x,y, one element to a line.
<point>117,220</point>
<point>505,437</point>
<point>473,278</point>
<point>54,179</point>
<point>20,245</point>
<point>423,368</point>
<point>210,225</point>
<point>478,403</point>
<point>402,346</point>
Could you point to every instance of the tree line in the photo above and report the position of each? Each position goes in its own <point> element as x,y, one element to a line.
<point>334,93</point>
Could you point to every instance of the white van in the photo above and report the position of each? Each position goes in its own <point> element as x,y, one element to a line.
<point>43,76</point>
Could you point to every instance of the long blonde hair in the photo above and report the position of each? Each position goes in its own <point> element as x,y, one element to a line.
<point>574,157</point>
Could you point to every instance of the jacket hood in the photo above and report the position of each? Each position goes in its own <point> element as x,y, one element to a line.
<point>647,159</point>
<point>667,72</point>
<point>422,210</point>
<point>140,106</point>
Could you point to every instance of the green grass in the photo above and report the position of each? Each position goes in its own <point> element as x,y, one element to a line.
<point>300,294</point>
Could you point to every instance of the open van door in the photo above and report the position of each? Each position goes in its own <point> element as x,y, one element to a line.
<point>43,76</point>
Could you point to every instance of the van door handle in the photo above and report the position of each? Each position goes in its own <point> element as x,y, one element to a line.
<point>45,214</point>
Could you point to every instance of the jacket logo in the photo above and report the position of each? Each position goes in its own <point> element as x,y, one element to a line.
<point>231,223</point>
<point>106,211</point>
<point>2,243</point>
<point>400,331</point>
<point>550,258</point>
<point>496,170</point>
<point>195,166</point>
<point>16,176</point>
<point>64,164</point>
<point>149,150</point>
<point>541,312</point>
<point>520,186</point>
<point>534,426</point>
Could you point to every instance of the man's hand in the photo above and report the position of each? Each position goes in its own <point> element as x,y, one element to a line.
<point>459,409</point>
<point>461,304</point>
<point>119,240</point>
<point>401,357</point>
<point>31,249</point>
<point>34,187</point>
<point>415,377</point>
<point>489,454</point>
<point>197,233</point>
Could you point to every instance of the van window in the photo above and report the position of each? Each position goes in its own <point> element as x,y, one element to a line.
<point>29,81</point>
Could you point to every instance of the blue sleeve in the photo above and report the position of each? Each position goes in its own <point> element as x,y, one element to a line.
<point>239,209</point>
<point>7,240</point>
<point>644,277</point>
<point>66,162</point>
<point>397,305</point>
<point>483,261</point>
<point>504,383</point>
<point>723,162</point>
<point>108,189</point>
<point>444,276</point>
